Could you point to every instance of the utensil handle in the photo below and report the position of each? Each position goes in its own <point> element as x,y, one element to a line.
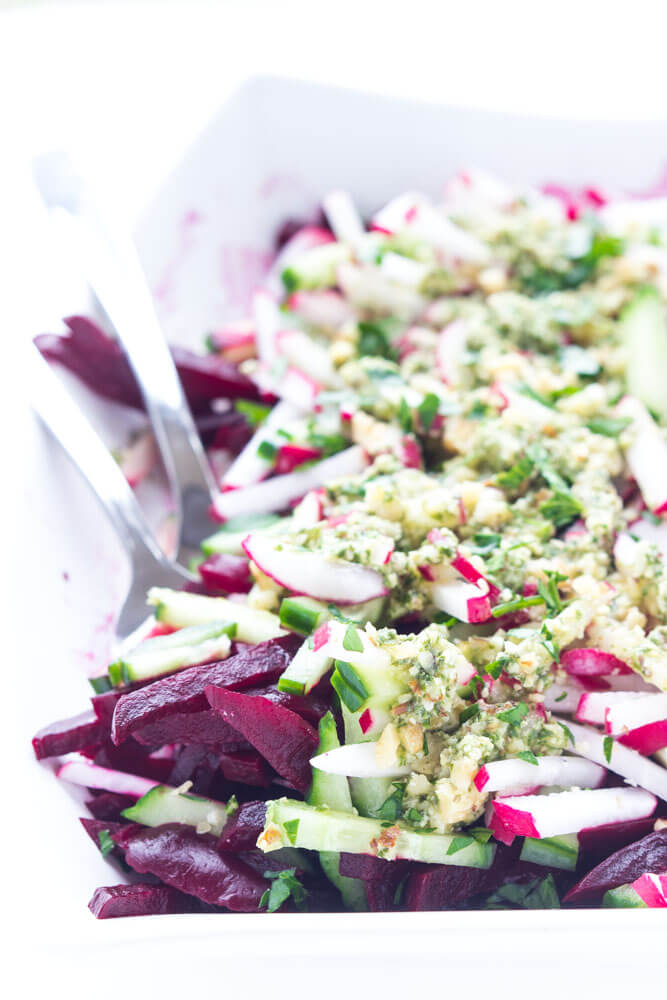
<point>73,431</point>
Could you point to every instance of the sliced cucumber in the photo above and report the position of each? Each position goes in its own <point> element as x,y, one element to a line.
<point>167,805</point>
<point>316,268</point>
<point>303,614</point>
<point>332,790</point>
<point>321,829</point>
<point>229,538</point>
<point>177,608</point>
<point>643,329</point>
<point>553,852</point>
<point>307,668</point>
<point>622,896</point>
<point>165,653</point>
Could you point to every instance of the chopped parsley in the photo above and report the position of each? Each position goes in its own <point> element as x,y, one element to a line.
<point>528,756</point>
<point>538,894</point>
<point>427,410</point>
<point>351,640</point>
<point>514,715</point>
<point>106,843</point>
<point>283,885</point>
<point>608,746</point>
<point>561,509</point>
<point>608,426</point>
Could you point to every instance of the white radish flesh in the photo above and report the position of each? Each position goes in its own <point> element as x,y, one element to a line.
<point>569,812</point>
<point>81,772</point>
<point>629,712</point>
<point>249,467</point>
<point>636,769</point>
<point>647,455</point>
<point>502,775</point>
<point>593,705</point>
<point>357,760</point>
<point>343,217</point>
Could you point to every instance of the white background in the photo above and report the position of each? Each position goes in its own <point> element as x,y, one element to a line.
<point>126,86</point>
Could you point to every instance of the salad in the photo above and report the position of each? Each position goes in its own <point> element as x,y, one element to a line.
<point>425,665</point>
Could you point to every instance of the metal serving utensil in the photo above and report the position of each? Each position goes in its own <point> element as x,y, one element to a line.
<point>149,566</point>
<point>111,265</point>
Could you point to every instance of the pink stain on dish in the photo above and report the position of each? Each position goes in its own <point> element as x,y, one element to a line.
<point>277,184</point>
<point>243,268</point>
<point>186,241</point>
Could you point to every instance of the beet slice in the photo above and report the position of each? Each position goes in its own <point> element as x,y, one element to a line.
<point>307,706</point>
<point>184,691</point>
<point>118,832</point>
<point>246,767</point>
<point>226,572</point>
<point>198,764</point>
<point>104,705</point>
<point>69,735</point>
<point>100,362</point>
<point>382,878</point>
<point>282,737</point>
<point>134,759</point>
<point>646,855</point>
<point>140,900</point>
<point>243,827</point>
<point>599,842</point>
<point>189,861</point>
<point>442,887</point>
<point>189,728</point>
<point>109,805</point>
<point>226,429</point>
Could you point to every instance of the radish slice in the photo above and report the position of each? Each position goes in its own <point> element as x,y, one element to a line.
<point>356,761</point>
<point>291,456</point>
<point>449,350</point>
<point>277,493</point>
<point>324,308</point>
<point>343,217</point>
<point>330,636</point>
<point>466,601</point>
<point>473,575</point>
<point>81,772</point>
<point>313,574</point>
<point>568,812</point>
<point>636,770</point>
<point>504,775</point>
<point>619,215</point>
<point>403,270</point>
<point>646,739</point>
<point>632,712</point>
<point>647,531</point>
<point>249,467</point>
<point>592,663</point>
<point>647,455</point>
<point>309,511</point>
<point>395,213</point>
<point>430,225</point>
<point>652,889</point>
<point>306,355</point>
<point>368,288</point>
<point>303,240</point>
<point>593,705</point>
<point>563,697</point>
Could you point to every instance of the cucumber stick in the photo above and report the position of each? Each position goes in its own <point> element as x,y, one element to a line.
<point>622,896</point>
<point>553,852</point>
<point>165,653</point>
<point>332,790</point>
<point>163,804</point>
<point>316,268</point>
<point>230,537</point>
<point>643,330</point>
<point>174,607</point>
<point>321,829</point>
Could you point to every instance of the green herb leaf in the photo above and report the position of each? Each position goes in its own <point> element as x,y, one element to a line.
<point>480,833</point>
<point>351,640</point>
<point>516,605</point>
<point>513,478</point>
<point>291,828</point>
<point>469,713</point>
<point>392,807</point>
<point>608,746</point>
<point>375,339</point>
<point>267,450</point>
<point>514,715</point>
<point>485,541</point>
<point>254,413</point>
<point>459,844</point>
<point>561,509</point>
<point>106,843</point>
<point>549,644</point>
<point>283,885</point>
<point>608,426</point>
<point>549,591</point>
<point>529,757</point>
<point>427,410</point>
<point>404,416</point>
<point>568,732</point>
<point>562,697</point>
<point>535,895</point>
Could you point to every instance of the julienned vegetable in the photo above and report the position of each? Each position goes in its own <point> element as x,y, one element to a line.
<point>427,652</point>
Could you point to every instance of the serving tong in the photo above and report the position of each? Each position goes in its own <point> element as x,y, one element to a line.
<point>111,265</point>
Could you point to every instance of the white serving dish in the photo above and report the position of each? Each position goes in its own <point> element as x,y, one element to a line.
<point>272,152</point>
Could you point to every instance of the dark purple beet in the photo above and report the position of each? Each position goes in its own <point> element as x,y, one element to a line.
<point>646,855</point>
<point>104,705</point>
<point>135,759</point>
<point>382,878</point>
<point>282,737</point>
<point>243,827</point>
<point>189,861</point>
<point>290,227</point>
<point>117,831</point>
<point>307,706</point>
<point>198,764</point>
<point>69,735</point>
<point>245,767</point>
<point>189,728</point>
<point>226,572</point>
<point>228,429</point>
<point>441,887</point>
<point>140,900</point>
<point>109,805</point>
<point>184,691</point>
<point>599,842</point>
<point>100,362</point>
